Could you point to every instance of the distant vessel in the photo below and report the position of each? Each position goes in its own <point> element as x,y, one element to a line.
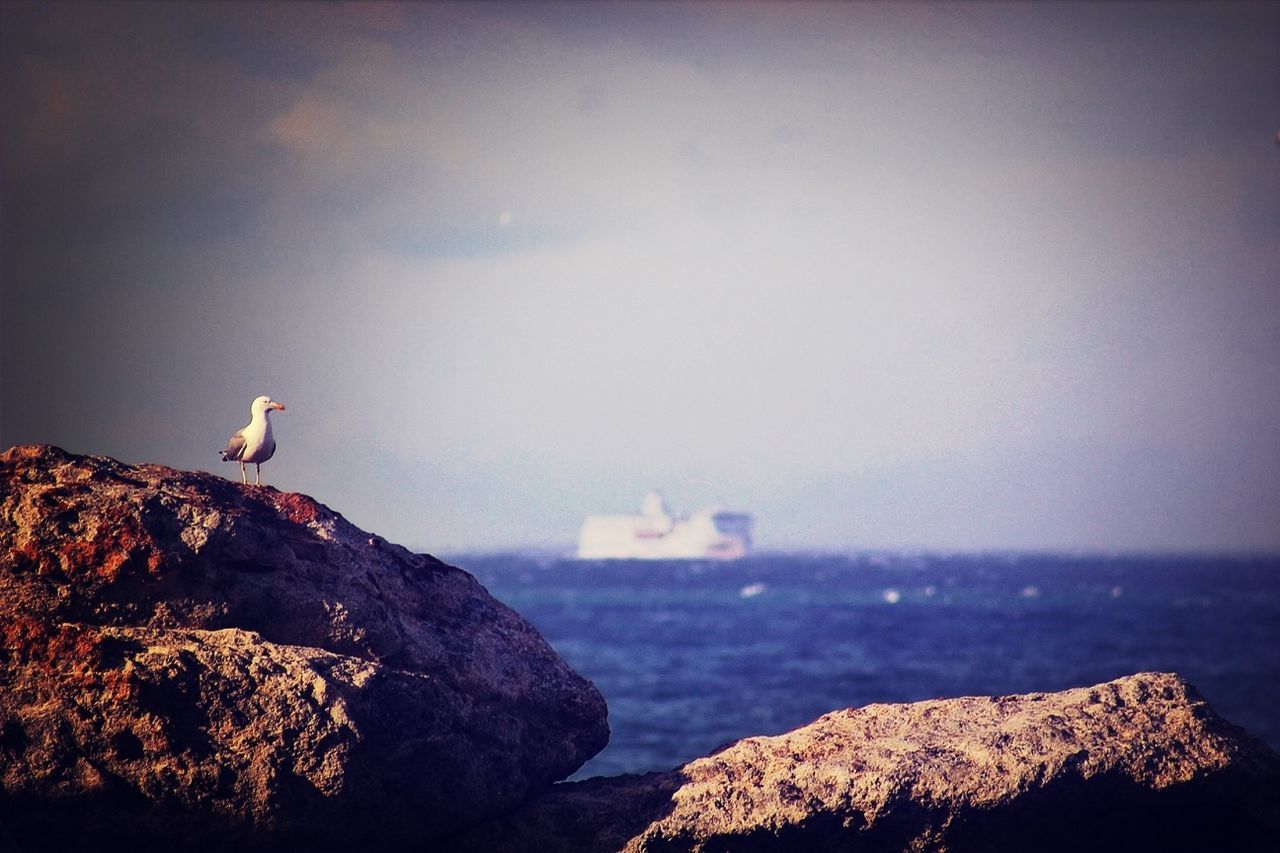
<point>655,534</point>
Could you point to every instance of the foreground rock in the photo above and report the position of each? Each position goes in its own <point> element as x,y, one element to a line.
<point>189,662</point>
<point>1141,763</point>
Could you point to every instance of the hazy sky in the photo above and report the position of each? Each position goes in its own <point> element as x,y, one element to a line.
<point>888,275</point>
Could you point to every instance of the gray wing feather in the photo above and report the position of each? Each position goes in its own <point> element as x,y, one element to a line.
<point>234,447</point>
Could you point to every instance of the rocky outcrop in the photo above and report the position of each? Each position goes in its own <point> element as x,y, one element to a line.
<point>189,662</point>
<point>1141,763</point>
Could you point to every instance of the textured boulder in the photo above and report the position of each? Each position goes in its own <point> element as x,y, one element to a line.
<point>1141,763</point>
<point>189,661</point>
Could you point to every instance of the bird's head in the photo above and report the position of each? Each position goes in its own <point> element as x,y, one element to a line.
<point>263,404</point>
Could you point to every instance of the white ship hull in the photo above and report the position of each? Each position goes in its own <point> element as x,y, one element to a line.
<point>655,534</point>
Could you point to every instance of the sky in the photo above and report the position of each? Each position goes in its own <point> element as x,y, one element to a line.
<point>887,275</point>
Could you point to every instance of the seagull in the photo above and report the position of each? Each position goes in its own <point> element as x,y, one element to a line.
<point>254,443</point>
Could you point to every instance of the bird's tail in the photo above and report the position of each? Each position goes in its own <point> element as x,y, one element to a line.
<point>223,454</point>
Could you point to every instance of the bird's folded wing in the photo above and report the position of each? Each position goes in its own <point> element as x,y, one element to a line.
<point>234,447</point>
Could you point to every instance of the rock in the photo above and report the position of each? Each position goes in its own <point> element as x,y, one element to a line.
<point>1140,763</point>
<point>189,662</point>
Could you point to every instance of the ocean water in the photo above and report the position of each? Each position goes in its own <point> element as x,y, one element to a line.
<point>693,655</point>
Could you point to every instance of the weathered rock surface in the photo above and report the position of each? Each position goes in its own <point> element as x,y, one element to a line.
<point>1141,763</point>
<point>188,662</point>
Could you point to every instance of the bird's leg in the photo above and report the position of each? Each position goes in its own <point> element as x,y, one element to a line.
<point>257,475</point>
<point>244,475</point>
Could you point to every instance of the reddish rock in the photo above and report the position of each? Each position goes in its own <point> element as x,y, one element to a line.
<point>189,661</point>
<point>1141,763</point>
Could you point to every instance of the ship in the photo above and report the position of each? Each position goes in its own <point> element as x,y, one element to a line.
<point>656,534</point>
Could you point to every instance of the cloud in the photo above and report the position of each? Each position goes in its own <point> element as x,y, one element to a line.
<point>773,246</point>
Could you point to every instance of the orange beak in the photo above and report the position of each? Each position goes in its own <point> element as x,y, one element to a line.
<point>279,406</point>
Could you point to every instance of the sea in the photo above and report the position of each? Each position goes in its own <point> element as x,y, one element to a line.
<point>694,655</point>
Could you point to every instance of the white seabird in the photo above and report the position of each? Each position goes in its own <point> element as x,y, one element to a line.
<point>254,443</point>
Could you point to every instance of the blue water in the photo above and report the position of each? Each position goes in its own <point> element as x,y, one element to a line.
<point>690,656</point>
